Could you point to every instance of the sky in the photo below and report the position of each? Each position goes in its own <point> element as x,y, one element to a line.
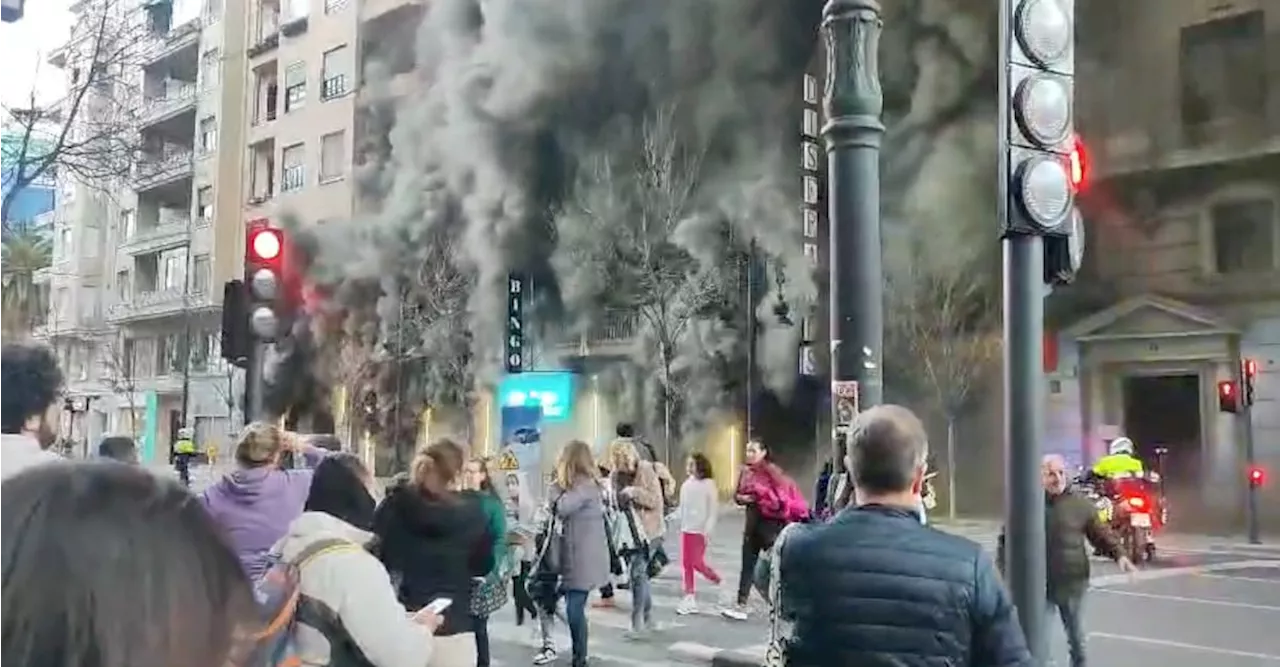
<point>24,45</point>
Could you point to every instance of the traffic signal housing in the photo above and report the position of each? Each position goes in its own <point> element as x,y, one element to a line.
<point>1228,397</point>
<point>264,261</point>
<point>236,344</point>
<point>1043,162</point>
<point>1249,374</point>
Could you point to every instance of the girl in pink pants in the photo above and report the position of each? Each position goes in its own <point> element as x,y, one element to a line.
<point>697,520</point>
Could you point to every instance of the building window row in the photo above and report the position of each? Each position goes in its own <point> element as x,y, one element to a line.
<point>294,165</point>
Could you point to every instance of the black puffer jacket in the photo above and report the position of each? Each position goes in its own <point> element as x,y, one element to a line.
<point>874,587</point>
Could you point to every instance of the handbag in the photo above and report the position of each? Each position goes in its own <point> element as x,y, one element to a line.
<point>779,630</point>
<point>491,593</point>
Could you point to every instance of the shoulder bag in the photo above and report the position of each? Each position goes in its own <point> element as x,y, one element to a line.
<point>779,629</point>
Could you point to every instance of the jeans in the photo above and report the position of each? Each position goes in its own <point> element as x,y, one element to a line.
<point>693,558</point>
<point>480,625</point>
<point>1070,610</point>
<point>746,579</point>
<point>641,591</point>
<point>575,611</point>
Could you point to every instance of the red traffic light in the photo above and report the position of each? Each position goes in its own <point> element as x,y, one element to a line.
<point>1228,400</point>
<point>265,244</point>
<point>1226,389</point>
<point>1256,475</point>
<point>1078,164</point>
<point>1250,368</point>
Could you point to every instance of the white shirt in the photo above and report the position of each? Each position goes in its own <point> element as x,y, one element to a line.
<point>19,451</point>
<point>698,505</point>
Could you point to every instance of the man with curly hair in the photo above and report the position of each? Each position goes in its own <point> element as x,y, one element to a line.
<point>32,384</point>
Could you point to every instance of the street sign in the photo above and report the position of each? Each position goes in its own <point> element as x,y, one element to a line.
<point>845,394</point>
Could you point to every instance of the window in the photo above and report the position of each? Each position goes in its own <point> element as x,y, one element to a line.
<point>334,6</point>
<point>1222,78</point>
<point>208,134</point>
<point>122,285</point>
<point>293,171</point>
<point>335,72</point>
<point>333,156</point>
<point>295,87</point>
<point>128,224</point>
<point>204,204</point>
<point>1244,238</point>
<point>173,268</point>
<point>200,274</point>
<point>209,68</point>
<point>63,247</point>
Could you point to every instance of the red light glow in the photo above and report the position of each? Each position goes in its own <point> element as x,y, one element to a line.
<point>1137,502</point>
<point>1078,162</point>
<point>266,244</point>
<point>1250,368</point>
<point>1256,476</point>
<point>1226,389</point>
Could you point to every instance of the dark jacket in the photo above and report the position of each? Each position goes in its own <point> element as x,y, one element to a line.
<point>874,587</point>
<point>435,546</point>
<point>1070,521</point>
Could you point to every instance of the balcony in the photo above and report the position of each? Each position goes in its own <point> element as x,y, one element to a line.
<point>1148,131</point>
<point>613,334</point>
<point>176,102</point>
<point>155,172</point>
<point>175,41</point>
<point>156,304</point>
<point>170,233</point>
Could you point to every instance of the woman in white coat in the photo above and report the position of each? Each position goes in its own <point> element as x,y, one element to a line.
<point>349,612</point>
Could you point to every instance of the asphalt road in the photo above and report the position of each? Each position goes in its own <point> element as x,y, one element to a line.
<point>1190,609</point>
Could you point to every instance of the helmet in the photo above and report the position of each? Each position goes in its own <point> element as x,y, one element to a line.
<point>1121,446</point>
<point>184,434</point>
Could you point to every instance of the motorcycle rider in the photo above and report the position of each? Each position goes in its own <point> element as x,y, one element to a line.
<point>1119,461</point>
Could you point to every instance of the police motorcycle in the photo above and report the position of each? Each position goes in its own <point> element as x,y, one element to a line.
<point>1132,506</point>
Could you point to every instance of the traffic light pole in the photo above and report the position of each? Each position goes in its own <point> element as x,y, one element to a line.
<point>853,104</point>
<point>1023,426</point>
<point>255,384</point>
<point>1252,520</point>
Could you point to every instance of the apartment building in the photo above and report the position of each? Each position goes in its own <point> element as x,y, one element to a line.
<point>135,262</point>
<point>1182,116</point>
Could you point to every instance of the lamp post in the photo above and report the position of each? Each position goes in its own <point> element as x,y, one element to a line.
<point>852,103</point>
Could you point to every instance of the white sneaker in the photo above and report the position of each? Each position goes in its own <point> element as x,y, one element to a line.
<point>546,655</point>
<point>736,612</point>
<point>688,605</point>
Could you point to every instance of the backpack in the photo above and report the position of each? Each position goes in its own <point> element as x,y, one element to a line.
<point>279,598</point>
<point>789,506</point>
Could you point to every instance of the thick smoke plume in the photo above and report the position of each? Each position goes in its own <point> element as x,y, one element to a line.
<point>541,131</point>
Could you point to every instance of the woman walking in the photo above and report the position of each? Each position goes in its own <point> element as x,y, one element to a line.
<point>435,538</point>
<point>521,522</point>
<point>761,489</point>
<point>639,493</point>
<point>489,594</point>
<point>575,545</point>
<point>697,511</point>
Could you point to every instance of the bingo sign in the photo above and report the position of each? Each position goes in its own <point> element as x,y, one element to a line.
<point>845,395</point>
<point>515,324</point>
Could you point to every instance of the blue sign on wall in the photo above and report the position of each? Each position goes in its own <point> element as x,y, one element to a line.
<point>550,390</point>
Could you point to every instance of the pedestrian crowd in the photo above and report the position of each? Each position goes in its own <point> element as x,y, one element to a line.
<point>311,563</point>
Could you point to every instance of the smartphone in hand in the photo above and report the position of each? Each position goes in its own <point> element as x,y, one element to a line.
<point>436,606</point>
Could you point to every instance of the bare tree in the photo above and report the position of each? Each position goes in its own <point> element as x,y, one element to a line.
<point>946,322</point>
<point>621,232</point>
<point>89,133</point>
<point>117,361</point>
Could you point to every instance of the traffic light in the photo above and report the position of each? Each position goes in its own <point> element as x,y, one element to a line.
<point>1248,373</point>
<point>264,260</point>
<point>235,342</point>
<point>1228,397</point>
<point>1043,162</point>
<point>1257,476</point>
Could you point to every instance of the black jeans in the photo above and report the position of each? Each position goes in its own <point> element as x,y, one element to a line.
<point>520,592</point>
<point>480,625</point>
<point>1070,609</point>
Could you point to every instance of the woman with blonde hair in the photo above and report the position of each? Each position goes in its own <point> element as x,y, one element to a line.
<point>575,546</point>
<point>639,492</point>
<point>255,503</point>
<point>435,538</point>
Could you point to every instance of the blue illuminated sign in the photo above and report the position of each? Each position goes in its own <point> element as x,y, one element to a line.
<point>550,390</point>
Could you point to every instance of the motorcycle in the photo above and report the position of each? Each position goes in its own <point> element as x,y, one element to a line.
<point>1134,509</point>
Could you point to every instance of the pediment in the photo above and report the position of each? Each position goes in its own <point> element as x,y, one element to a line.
<point>1150,315</point>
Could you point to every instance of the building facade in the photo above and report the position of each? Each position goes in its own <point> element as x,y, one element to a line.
<point>134,314</point>
<point>1183,267</point>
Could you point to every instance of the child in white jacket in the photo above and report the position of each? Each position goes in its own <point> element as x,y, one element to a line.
<point>697,514</point>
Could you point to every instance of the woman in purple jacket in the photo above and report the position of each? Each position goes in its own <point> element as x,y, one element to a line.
<point>255,503</point>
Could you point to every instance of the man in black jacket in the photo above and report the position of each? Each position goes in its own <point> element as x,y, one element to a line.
<point>875,587</point>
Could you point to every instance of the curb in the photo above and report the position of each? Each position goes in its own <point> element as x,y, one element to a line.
<point>753,656</point>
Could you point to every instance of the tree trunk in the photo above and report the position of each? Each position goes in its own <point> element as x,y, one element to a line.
<point>666,404</point>
<point>951,467</point>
